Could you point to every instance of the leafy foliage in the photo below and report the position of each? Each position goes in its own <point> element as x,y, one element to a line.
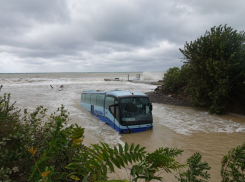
<point>9,120</point>
<point>213,70</point>
<point>9,116</point>
<point>60,146</point>
<point>175,80</point>
<point>196,170</point>
<point>93,163</point>
<point>233,165</point>
<point>161,159</point>
<point>48,134</point>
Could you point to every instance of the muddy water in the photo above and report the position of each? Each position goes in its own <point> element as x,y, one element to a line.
<point>212,146</point>
<point>192,130</point>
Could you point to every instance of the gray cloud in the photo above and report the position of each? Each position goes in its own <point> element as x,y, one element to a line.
<point>137,35</point>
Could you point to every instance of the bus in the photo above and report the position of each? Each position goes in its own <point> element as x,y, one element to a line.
<point>125,111</point>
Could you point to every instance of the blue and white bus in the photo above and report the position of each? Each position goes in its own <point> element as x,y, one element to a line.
<point>125,111</point>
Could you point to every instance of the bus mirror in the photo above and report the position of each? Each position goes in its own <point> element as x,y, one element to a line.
<point>151,107</point>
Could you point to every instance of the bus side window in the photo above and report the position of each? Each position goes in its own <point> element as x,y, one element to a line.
<point>100,100</point>
<point>109,101</point>
<point>93,99</point>
<point>117,109</point>
<point>83,97</point>
<point>87,98</point>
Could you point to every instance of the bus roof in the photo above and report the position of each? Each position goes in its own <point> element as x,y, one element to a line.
<point>117,93</point>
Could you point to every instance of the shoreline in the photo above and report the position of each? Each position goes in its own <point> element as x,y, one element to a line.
<point>159,97</point>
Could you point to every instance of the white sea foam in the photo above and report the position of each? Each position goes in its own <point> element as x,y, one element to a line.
<point>153,75</point>
<point>187,121</point>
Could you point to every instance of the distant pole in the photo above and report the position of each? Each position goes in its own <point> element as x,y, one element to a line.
<point>128,77</point>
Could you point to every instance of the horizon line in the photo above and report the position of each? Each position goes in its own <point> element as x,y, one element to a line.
<point>80,72</point>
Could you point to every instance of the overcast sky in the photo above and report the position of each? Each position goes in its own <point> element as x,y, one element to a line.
<point>106,35</point>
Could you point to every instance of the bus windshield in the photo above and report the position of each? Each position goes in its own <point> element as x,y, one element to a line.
<point>135,109</point>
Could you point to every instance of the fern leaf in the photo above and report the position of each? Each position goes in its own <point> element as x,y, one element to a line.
<point>126,147</point>
<point>115,150</point>
<point>88,168</point>
<point>114,161</point>
<point>124,158</point>
<point>132,157</point>
<point>111,152</point>
<point>120,161</point>
<point>140,156</point>
<point>72,166</point>
<point>141,150</point>
<point>120,149</point>
<point>94,163</point>
<point>77,159</point>
<point>97,147</point>
<point>136,156</point>
<point>128,157</point>
<point>137,148</point>
<point>104,145</point>
<point>111,167</point>
<point>105,155</point>
<point>132,147</point>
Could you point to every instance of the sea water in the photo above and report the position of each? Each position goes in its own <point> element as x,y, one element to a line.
<point>190,129</point>
<point>51,90</point>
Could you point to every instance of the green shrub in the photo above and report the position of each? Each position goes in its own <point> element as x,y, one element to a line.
<point>19,133</point>
<point>175,80</point>
<point>172,80</point>
<point>197,170</point>
<point>213,72</point>
<point>233,165</point>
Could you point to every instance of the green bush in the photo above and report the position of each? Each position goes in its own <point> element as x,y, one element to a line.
<point>233,165</point>
<point>175,80</point>
<point>20,132</point>
<point>197,170</point>
<point>172,80</point>
<point>213,70</point>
